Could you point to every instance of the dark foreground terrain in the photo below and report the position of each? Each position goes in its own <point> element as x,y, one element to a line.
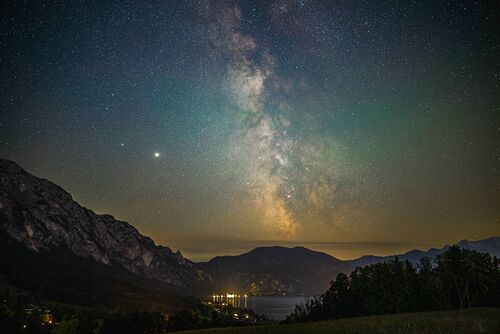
<point>479,320</point>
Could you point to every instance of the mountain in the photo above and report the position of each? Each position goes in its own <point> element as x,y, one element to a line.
<point>63,251</point>
<point>490,246</point>
<point>274,270</point>
<point>57,275</point>
<point>298,270</point>
<point>45,219</point>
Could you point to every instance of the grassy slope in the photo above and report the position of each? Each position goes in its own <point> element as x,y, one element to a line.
<point>480,320</point>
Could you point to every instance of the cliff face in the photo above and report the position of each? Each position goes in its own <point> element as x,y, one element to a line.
<point>42,216</point>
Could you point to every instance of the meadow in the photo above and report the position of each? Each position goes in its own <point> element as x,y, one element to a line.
<point>470,321</point>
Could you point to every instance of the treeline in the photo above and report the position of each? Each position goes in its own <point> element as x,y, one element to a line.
<point>457,279</point>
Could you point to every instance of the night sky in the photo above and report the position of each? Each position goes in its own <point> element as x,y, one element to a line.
<point>351,127</point>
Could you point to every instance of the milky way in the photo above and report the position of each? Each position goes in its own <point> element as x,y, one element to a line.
<point>216,126</point>
<point>282,174</point>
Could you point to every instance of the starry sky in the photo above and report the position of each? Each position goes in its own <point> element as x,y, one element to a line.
<point>350,127</point>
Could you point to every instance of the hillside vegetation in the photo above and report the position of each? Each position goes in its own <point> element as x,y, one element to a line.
<point>456,279</point>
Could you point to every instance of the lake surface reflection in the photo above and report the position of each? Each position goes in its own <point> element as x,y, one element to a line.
<point>276,307</point>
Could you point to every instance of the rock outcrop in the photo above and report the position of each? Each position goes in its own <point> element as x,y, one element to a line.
<point>42,216</point>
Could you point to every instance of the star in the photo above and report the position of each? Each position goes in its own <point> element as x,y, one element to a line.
<point>272,130</point>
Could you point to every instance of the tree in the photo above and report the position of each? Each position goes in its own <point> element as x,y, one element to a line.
<point>67,326</point>
<point>183,320</point>
<point>337,300</point>
<point>468,278</point>
<point>428,286</point>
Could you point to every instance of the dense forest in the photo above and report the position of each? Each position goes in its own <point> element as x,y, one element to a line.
<point>456,279</point>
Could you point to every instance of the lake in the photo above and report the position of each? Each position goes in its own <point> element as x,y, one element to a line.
<point>275,307</point>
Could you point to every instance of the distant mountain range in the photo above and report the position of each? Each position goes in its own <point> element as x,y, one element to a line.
<point>298,270</point>
<point>62,251</point>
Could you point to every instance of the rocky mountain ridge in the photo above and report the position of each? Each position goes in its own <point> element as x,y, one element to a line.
<point>42,216</point>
